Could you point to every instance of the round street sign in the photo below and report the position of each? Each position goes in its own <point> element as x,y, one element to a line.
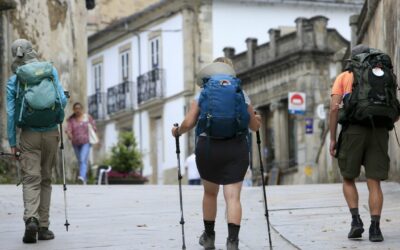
<point>297,99</point>
<point>297,102</point>
<point>321,111</point>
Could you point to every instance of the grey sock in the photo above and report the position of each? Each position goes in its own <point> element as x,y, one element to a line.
<point>375,218</point>
<point>354,211</point>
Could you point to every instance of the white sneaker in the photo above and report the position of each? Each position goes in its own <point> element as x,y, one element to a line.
<point>81,180</point>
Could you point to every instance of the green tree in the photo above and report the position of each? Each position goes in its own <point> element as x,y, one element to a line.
<point>124,156</point>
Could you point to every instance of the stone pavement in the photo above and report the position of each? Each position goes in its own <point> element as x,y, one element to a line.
<point>147,217</point>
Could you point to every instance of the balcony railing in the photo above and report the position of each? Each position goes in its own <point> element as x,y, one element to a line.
<point>97,105</point>
<point>120,97</point>
<point>150,86</point>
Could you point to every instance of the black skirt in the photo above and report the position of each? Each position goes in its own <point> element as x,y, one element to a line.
<point>222,161</point>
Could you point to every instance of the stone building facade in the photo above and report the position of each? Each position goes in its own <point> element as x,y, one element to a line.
<point>190,34</point>
<point>378,26</point>
<point>106,12</point>
<point>57,30</point>
<point>303,60</point>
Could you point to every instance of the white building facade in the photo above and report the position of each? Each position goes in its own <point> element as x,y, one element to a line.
<point>142,69</point>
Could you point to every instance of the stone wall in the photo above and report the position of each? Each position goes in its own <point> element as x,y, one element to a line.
<point>57,29</point>
<point>378,26</point>
<point>299,61</point>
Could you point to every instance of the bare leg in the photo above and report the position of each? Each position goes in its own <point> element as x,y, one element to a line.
<point>210,200</point>
<point>350,193</point>
<point>232,199</point>
<point>375,196</point>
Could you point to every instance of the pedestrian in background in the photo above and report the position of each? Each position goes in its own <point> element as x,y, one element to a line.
<point>222,153</point>
<point>35,104</point>
<point>370,108</point>
<point>193,173</point>
<point>79,132</point>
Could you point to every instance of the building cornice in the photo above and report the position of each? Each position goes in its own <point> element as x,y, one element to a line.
<point>282,62</point>
<point>138,22</point>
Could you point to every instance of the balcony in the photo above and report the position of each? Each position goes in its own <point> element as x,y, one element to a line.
<point>150,86</point>
<point>97,105</point>
<point>120,98</point>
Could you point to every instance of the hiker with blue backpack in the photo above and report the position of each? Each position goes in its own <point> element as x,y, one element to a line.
<point>223,115</point>
<point>364,101</point>
<point>35,105</point>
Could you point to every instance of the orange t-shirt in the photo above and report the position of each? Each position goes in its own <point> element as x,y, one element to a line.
<point>343,84</point>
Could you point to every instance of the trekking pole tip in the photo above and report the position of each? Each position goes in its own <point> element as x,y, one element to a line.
<point>66,225</point>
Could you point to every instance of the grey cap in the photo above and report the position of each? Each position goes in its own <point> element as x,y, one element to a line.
<point>23,53</point>
<point>214,68</point>
<point>20,46</point>
<point>359,49</point>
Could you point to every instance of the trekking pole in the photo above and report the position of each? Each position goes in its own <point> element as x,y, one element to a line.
<point>182,222</point>
<point>263,185</point>
<point>64,184</point>
<point>17,155</point>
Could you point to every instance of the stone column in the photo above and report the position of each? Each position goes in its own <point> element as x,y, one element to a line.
<point>274,34</point>
<point>300,31</point>
<point>353,21</point>
<point>229,52</point>
<point>251,48</point>
<point>319,24</point>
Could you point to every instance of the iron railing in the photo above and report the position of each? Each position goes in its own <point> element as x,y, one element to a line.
<point>97,105</point>
<point>120,97</point>
<point>150,86</point>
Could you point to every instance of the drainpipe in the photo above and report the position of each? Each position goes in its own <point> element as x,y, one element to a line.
<point>140,111</point>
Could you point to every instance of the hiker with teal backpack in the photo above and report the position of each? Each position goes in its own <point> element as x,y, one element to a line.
<point>223,115</point>
<point>364,101</point>
<point>35,104</point>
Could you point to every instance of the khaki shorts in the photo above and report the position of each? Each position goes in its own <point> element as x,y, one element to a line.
<point>364,146</point>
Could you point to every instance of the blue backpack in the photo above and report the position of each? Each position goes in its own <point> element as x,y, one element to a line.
<point>223,110</point>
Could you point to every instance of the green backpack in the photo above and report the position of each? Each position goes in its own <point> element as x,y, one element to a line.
<point>373,101</point>
<point>38,101</point>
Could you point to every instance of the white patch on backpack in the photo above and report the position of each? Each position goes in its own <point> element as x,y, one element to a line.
<point>225,82</point>
<point>378,71</point>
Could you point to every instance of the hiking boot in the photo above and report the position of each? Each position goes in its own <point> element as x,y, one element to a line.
<point>45,234</point>
<point>356,228</point>
<point>232,244</point>
<point>31,229</point>
<point>375,234</point>
<point>207,241</point>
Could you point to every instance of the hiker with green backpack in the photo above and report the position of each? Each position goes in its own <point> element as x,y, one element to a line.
<point>223,115</point>
<point>35,104</point>
<point>364,101</point>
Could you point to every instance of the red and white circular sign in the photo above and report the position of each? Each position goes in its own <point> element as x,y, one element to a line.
<point>297,102</point>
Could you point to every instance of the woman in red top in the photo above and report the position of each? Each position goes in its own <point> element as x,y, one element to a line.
<point>78,133</point>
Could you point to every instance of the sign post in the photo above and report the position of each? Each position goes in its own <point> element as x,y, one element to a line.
<point>297,103</point>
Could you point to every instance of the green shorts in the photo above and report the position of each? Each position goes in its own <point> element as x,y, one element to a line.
<point>364,146</point>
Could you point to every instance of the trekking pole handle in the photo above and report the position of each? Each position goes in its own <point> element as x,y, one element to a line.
<point>176,125</point>
<point>258,137</point>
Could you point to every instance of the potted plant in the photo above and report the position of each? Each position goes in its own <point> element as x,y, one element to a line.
<point>125,161</point>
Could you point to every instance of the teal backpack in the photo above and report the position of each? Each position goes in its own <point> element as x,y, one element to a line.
<point>38,101</point>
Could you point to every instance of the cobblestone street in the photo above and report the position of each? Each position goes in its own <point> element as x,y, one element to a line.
<point>147,217</point>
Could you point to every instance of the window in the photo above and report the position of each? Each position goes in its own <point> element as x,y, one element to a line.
<point>155,52</point>
<point>97,76</point>
<point>124,57</point>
